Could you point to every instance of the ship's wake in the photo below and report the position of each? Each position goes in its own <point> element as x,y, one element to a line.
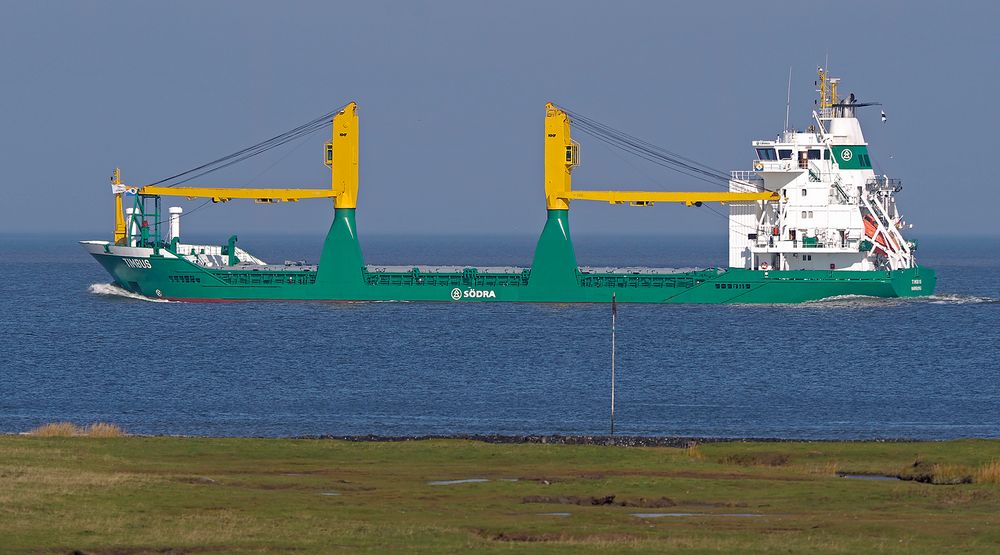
<point>849,298</point>
<point>949,298</point>
<point>852,301</point>
<point>863,300</point>
<point>112,290</point>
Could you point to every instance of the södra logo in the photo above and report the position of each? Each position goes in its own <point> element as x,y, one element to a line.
<point>458,294</point>
<point>138,263</point>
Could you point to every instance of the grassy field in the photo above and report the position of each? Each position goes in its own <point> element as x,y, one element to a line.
<point>134,495</point>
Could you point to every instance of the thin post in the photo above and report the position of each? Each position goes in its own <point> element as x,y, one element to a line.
<point>788,97</point>
<point>614,316</point>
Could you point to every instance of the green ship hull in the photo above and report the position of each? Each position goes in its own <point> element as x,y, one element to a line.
<point>554,277</point>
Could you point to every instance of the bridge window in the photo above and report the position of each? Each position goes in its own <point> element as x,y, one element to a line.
<point>785,154</point>
<point>766,154</point>
<point>814,154</point>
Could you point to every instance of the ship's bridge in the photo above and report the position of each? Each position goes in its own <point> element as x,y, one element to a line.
<point>792,153</point>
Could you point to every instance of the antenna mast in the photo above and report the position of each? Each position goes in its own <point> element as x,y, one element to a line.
<point>788,97</point>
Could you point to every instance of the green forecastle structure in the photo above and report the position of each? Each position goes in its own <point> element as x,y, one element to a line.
<point>776,268</point>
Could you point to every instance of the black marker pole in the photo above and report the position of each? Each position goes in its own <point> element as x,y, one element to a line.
<point>614,316</point>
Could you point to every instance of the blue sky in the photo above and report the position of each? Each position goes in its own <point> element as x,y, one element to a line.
<point>452,101</point>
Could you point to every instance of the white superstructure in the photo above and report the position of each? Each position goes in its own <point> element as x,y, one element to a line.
<point>835,213</point>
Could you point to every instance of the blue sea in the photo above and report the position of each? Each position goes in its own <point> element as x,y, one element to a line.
<point>851,368</point>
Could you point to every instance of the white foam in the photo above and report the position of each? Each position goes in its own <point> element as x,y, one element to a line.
<point>863,300</point>
<point>836,298</point>
<point>112,290</point>
<point>834,301</point>
<point>960,299</point>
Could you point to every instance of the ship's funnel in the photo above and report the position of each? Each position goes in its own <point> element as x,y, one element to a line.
<point>175,222</point>
<point>133,227</point>
<point>846,131</point>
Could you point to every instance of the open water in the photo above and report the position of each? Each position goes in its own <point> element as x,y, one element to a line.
<point>73,349</point>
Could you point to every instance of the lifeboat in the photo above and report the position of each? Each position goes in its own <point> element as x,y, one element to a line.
<point>872,232</point>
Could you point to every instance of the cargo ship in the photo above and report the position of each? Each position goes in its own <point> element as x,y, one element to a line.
<point>811,220</point>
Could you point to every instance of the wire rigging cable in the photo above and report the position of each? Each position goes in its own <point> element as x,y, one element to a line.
<point>648,151</point>
<point>303,130</point>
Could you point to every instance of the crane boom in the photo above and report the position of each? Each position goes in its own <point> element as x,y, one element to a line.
<point>341,157</point>
<point>562,154</point>
<point>222,194</point>
<point>648,198</point>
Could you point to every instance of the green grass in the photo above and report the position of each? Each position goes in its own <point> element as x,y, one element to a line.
<point>133,495</point>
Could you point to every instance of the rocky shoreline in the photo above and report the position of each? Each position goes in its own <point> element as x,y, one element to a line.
<point>615,441</point>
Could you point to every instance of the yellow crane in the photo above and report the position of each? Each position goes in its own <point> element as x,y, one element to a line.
<point>562,154</point>
<point>341,156</point>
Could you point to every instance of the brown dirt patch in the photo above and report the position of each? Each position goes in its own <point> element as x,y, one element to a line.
<point>528,537</point>
<point>757,459</point>
<point>598,501</point>
<point>524,537</point>
<point>145,550</point>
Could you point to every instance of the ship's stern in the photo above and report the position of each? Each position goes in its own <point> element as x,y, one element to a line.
<point>914,282</point>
